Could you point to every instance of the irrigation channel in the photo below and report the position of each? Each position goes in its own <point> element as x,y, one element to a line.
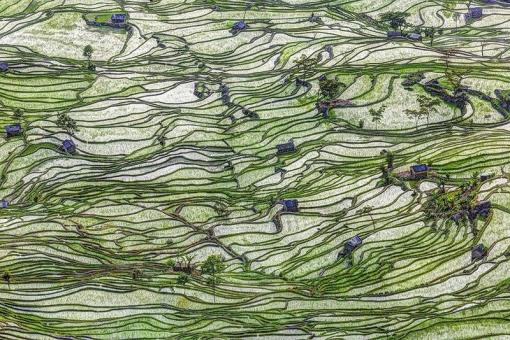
<point>176,134</point>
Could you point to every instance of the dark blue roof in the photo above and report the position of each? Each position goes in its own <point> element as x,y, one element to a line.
<point>68,144</point>
<point>324,110</point>
<point>478,252</point>
<point>458,216</point>
<point>4,204</point>
<point>314,18</point>
<point>392,34</point>
<point>483,205</point>
<point>239,25</point>
<point>224,88</point>
<point>286,147</point>
<point>4,66</point>
<point>479,247</point>
<point>420,168</point>
<point>13,128</point>
<point>301,82</point>
<point>290,205</point>
<point>118,16</point>
<point>354,242</point>
<point>475,11</point>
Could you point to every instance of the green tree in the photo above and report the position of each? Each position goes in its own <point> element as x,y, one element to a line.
<point>87,51</point>
<point>330,88</point>
<point>171,263</point>
<point>136,274</point>
<point>305,65</point>
<point>18,113</point>
<point>368,211</point>
<point>430,32</point>
<point>67,123</point>
<point>6,277</point>
<point>385,174</point>
<point>455,77</point>
<point>182,279</point>
<point>389,159</point>
<point>211,281</point>
<point>416,114</point>
<point>377,115</point>
<point>428,105</point>
<point>396,20</point>
<point>213,264</point>
<point>442,184</point>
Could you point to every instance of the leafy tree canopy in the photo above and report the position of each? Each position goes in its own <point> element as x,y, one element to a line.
<point>87,51</point>
<point>67,123</point>
<point>213,264</point>
<point>396,20</point>
<point>330,88</point>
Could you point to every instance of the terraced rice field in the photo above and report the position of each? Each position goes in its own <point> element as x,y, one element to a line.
<point>110,242</point>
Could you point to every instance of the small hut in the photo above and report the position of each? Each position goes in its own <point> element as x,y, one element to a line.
<point>4,204</point>
<point>290,205</point>
<point>414,36</point>
<point>458,216</point>
<point>473,13</point>
<point>419,171</point>
<point>314,18</point>
<point>285,148</point>
<point>483,208</point>
<point>324,111</point>
<point>484,177</point>
<point>301,82</point>
<point>4,67</point>
<point>118,18</point>
<point>13,130</point>
<point>224,89</point>
<point>478,252</point>
<point>238,26</point>
<point>352,244</point>
<point>394,34</point>
<point>68,146</point>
